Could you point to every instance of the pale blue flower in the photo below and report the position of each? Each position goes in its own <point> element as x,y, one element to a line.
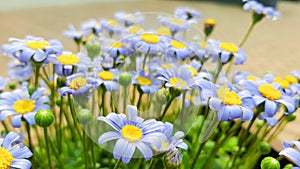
<point>132,133</point>
<point>147,81</point>
<point>129,19</point>
<point>187,13</point>
<point>20,71</point>
<point>21,105</point>
<point>92,26</point>
<point>291,151</point>
<point>111,26</point>
<point>258,8</point>
<point>148,43</point>
<point>14,152</point>
<point>108,78</point>
<point>174,23</point>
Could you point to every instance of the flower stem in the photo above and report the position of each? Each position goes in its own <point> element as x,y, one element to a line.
<point>47,147</point>
<point>73,113</point>
<point>247,34</point>
<point>36,76</point>
<point>124,99</point>
<point>165,110</point>
<point>85,149</point>
<point>117,164</point>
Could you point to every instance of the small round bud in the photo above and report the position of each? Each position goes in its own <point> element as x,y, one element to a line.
<point>12,86</point>
<point>161,95</point>
<point>58,102</point>
<point>84,116</point>
<point>259,123</point>
<point>209,26</point>
<point>269,163</point>
<point>291,117</point>
<point>44,118</point>
<point>125,79</point>
<point>93,49</point>
<point>288,166</point>
<point>265,148</point>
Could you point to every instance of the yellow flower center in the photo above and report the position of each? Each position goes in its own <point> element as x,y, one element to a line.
<point>131,133</point>
<point>194,71</point>
<point>178,82</point>
<point>37,44</point>
<point>116,44</point>
<point>251,78</point>
<point>284,83</point>
<point>150,38</point>
<point>177,44</point>
<point>164,31</point>
<point>112,22</point>
<point>210,22</point>
<point>24,106</point>
<point>203,44</point>
<point>291,79</point>
<point>78,83</point>
<point>5,158</point>
<point>229,97</point>
<point>144,81</point>
<point>166,66</point>
<point>230,47</point>
<point>106,75</point>
<point>70,59</point>
<point>268,91</point>
<point>177,21</point>
<point>164,144</point>
<point>135,29</point>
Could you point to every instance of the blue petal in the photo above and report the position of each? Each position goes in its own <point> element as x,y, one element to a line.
<point>288,102</point>
<point>223,113</point>
<point>292,154</point>
<point>270,108</point>
<point>119,148</point>
<point>21,163</point>
<point>247,113</point>
<point>215,103</point>
<point>29,117</point>
<point>107,136</point>
<point>234,112</point>
<point>258,99</point>
<point>4,114</point>
<point>16,121</point>
<point>145,150</point>
<point>154,139</point>
<point>10,138</point>
<point>128,152</point>
<point>132,113</point>
<point>20,151</point>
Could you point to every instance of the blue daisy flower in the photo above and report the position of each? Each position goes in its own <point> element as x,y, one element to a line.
<point>20,71</point>
<point>109,78</point>
<point>175,141</point>
<point>92,26</point>
<point>31,47</point>
<point>12,153</point>
<point>270,96</point>
<point>226,51</point>
<point>111,26</point>
<point>180,78</point>
<point>76,35</point>
<point>291,151</point>
<point>174,23</point>
<point>178,49</point>
<point>22,105</point>
<point>129,19</point>
<point>240,76</point>
<point>147,81</point>
<point>132,133</point>
<point>258,8</point>
<point>68,63</point>
<point>228,102</point>
<point>116,48</point>
<point>77,84</point>
<point>187,13</point>
<point>148,43</point>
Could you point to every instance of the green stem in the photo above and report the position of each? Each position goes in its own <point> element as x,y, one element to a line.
<point>47,147</point>
<point>36,77</point>
<point>57,156</point>
<point>85,150</point>
<point>117,164</point>
<point>5,126</point>
<point>181,116</point>
<point>247,34</point>
<point>103,101</point>
<point>165,110</point>
<point>140,99</point>
<point>151,163</point>
<point>29,136</point>
<point>124,99</point>
<point>145,58</point>
<point>73,113</point>
<point>219,68</point>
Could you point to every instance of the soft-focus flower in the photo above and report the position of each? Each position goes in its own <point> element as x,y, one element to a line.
<point>76,35</point>
<point>111,26</point>
<point>68,63</point>
<point>13,153</point>
<point>175,24</point>
<point>270,95</point>
<point>92,26</point>
<point>116,48</point>
<point>292,152</point>
<point>3,83</point>
<point>187,13</point>
<point>175,141</point>
<point>131,133</point>
<point>22,105</point>
<point>147,81</point>
<point>228,102</point>
<point>260,9</point>
<point>178,49</point>
<point>226,51</point>
<point>109,78</point>
<point>78,84</point>
<point>129,19</point>
<point>20,71</point>
<point>148,43</point>
<point>31,47</point>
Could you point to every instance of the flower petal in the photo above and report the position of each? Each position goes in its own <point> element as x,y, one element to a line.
<point>107,136</point>
<point>145,150</point>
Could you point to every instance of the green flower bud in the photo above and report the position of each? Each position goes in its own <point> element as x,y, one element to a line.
<point>31,90</point>
<point>209,26</point>
<point>288,166</point>
<point>259,123</point>
<point>269,163</point>
<point>125,79</point>
<point>44,118</point>
<point>84,116</point>
<point>291,117</point>
<point>93,49</point>
<point>162,95</point>
<point>265,148</point>
<point>58,102</point>
<point>12,86</point>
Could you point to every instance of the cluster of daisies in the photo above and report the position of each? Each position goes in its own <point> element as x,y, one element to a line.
<point>155,59</point>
